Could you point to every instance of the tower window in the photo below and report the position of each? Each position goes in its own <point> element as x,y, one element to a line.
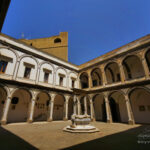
<point>27,72</point>
<point>3,66</point>
<point>57,40</point>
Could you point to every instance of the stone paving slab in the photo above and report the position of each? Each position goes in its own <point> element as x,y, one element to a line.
<point>50,136</point>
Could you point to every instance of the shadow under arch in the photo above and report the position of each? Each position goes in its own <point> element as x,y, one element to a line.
<point>99,107</point>
<point>118,106</point>
<point>58,111</point>
<point>20,104</point>
<point>42,106</point>
<point>112,72</point>
<point>140,103</point>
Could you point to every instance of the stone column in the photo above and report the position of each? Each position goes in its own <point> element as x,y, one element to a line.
<point>85,105</point>
<point>51,107</point>
<point>16,70</point>
<point>92,110</point>
<point>79,106</point>
<point>145,67</point>
<point>5,111</point>
<point>31,112</point>
<point>66,107</point>
<point>103,75</point>
<point>90,79</point>
<point>122,74</point>
<point>67,80</point>
<point>37,75</point>
<point>74,105</point>
<point>54,78</point>
<point>129,111</point>
<point>108,111</point>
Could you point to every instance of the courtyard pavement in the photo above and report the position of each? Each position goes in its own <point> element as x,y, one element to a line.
<point>50,136</point>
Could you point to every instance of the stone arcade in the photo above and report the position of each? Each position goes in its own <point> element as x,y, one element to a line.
<point>37,86</point>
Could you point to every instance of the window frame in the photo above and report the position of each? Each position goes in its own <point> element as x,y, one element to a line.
<point>27,77</point>
<point>3,66</point>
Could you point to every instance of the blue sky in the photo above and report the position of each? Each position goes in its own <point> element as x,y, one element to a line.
<point>95,26</point>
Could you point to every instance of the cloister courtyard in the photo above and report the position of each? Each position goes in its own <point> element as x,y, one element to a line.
<point>50,136</point>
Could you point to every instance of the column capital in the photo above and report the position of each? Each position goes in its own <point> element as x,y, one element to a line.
<point>67,96</point>
<point>52,95</point>
<point>105,95</point>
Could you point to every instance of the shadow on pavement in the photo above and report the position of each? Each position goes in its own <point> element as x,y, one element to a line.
<point>126,140</point>
<point>10,141</point>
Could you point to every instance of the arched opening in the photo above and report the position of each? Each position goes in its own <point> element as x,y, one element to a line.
<point>96,77</point>
<point>85,106</point>
<point>58,113</point>
<point>118,107</point>
<point>41,109</point>
<point>147,56</point>
<point>70,108</point>
<point>132,67</point>
<point>99,108</point>
<point>3,96</point>
<point>140,102</point>
<point>112,73</point>
<point>84,80</point>
<point>19,107</point>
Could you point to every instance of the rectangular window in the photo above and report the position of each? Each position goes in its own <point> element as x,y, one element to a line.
<point>27,72</point>
<point>3,66</point>
<point>46,76</point>
<point>73,83</point>
<point>61,81</point>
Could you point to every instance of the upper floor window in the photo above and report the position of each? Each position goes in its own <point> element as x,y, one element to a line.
<point>46,74</point>
<point>3,66</point>
<point>27,72</point>
<point>61,81</point>
<point>57,40</point>
<point>73,82</point>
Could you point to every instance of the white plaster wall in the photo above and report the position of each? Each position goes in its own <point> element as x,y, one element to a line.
<point>11,65</point>
<point>62,71</point>
<point>22,68</point>
<point>51,75</point>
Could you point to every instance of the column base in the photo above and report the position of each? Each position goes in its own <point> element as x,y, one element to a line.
<point>93,119</point>
<point>109,121</point>
<point>65,119</point>
<point>3,122</point>
<point>50,120</point>
<point>131,122</point>
<point>29,121</point>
